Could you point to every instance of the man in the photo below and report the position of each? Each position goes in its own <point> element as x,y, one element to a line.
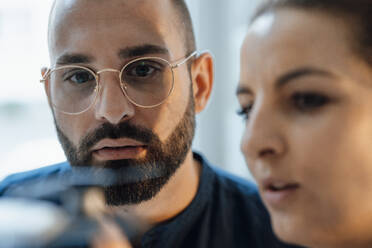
<point>124,87</point>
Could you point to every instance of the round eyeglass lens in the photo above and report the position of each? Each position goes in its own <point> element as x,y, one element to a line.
<point>72,89</point>
<point>147,81</point>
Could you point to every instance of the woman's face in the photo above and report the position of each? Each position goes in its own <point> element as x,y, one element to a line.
<point>307,101</point>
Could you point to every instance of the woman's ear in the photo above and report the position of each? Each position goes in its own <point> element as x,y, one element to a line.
<point>202,80</point>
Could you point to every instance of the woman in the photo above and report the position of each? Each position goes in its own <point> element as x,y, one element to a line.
<point>306,94</point>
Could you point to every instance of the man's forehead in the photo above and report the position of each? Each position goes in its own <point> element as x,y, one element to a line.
<point>68,5</point>
<point>109,9</point>
<point>130,21</point>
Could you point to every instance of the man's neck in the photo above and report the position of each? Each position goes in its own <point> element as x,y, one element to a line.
<point>173,198</point>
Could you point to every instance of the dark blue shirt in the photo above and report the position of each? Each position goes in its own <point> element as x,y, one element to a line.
<point>226,212</point>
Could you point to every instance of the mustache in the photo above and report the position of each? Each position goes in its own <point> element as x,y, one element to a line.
<point>122,130</point>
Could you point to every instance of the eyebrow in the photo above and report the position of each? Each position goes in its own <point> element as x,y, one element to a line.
<point>289,77</point>
<point>73,58</point>
<point>301,72</point>
<point>125,53</point>
<point>241,90</point>
<point>142,50</point>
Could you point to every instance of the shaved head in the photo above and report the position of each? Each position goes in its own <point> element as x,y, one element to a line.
<point>183,19</point>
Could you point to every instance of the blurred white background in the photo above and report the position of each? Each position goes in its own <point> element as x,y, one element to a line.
<point>27,135</point>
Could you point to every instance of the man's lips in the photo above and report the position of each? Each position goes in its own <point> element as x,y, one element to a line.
<point>276,192</point>
<point>109,149</point>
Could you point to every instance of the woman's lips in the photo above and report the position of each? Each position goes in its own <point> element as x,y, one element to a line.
<point>278,193</point>
<point>118,153</point>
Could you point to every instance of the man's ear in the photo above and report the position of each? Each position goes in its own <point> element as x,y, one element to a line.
<point>44,71</point>
<point>202,80</point>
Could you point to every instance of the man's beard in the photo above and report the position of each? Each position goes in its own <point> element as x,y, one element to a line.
<point>152,172</point>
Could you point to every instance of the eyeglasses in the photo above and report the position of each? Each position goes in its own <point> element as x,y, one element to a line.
<point>146,82</point>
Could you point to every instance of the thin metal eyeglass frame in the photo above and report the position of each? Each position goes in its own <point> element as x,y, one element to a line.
<point>173,66</point>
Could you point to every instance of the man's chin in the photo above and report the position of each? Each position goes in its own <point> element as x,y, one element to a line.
<point>135,180</point>
<point>134,193</point>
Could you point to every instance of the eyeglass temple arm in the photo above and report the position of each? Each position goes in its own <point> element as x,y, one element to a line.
<point>45,76</point>
<point>177,64</point>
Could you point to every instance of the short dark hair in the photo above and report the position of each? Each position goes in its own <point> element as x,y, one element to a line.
<point>358,13</point>
<point>185,24</point>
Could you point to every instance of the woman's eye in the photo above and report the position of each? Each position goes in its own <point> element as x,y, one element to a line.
<point>309,101</point>
<point>245,111</point>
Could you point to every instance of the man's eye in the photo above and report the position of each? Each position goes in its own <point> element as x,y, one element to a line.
<point>142,69</point>
<point>80,77</point>
<point>309,101</point>
<point>245,111</point>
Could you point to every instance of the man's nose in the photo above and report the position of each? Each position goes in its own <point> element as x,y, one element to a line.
<point>112,105</point>
<point>263,137</point>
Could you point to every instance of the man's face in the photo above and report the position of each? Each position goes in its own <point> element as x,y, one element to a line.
<point>115,133</point>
